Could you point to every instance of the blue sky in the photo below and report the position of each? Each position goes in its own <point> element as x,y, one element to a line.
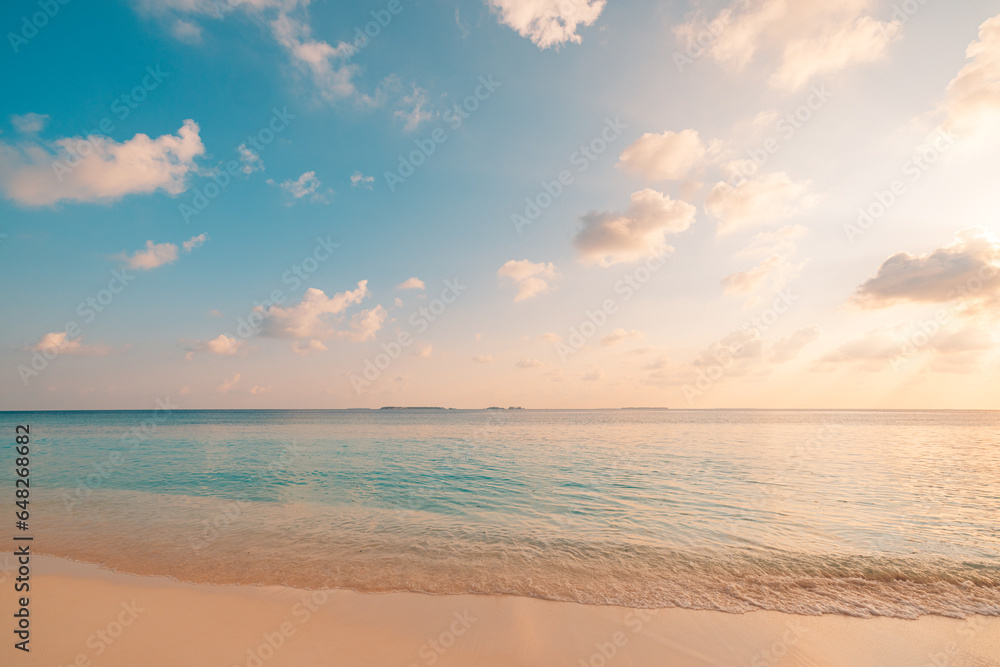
<point>684,118</point>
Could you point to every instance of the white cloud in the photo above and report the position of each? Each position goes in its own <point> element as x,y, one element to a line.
<point>609,237</point>
<point>483,358</point>
<point>61,343</point>
<point>530,278</point>
<point>317,316</point>
<point>973,96</point>
<point>963,271</point>
<point>620,335</point>
<point>663,157</point>
<point>529,363</point>
<point>98,169</point>
<point>759,200</point>
<point>894,347</point>
<point>224,345</point>
<point>250,159</point>
<point>29,123</point>
<point>416,114</point>
<point>809,38</point>
<point>359,180</point>
<point>550,337</point>
<point>305,185</point>
<point>548,22</point>
<point>411,283</point>
<point>364,325</point>
<point>864,40</point>
<point>155,254</point>
<point>328,66</point>
<point>194,242</point>
<point>186,31</point>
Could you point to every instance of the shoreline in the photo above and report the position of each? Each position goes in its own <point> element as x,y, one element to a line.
<point>85,615</point>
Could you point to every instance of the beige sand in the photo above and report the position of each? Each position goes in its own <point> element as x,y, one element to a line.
<point>81,615</point>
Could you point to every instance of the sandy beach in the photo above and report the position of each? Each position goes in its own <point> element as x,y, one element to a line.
<point>82,615</point>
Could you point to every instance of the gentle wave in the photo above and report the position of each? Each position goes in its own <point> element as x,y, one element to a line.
<point>220,541</point>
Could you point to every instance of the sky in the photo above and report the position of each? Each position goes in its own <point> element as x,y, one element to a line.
<point>467,203</point>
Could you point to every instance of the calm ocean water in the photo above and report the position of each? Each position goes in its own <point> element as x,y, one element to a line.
<point>860,513</point>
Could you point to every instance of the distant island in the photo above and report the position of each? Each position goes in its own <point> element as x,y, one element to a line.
<point>652,408</point>
<point>513,407</point>
<point>419,407</point>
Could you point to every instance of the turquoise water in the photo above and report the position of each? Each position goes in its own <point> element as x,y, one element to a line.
<point>860,513</point>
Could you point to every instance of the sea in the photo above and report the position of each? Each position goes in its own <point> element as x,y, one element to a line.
<point>859,513</point>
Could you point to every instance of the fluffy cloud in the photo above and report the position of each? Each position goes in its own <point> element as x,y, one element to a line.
<point>962,271</point>
<point>224,345</point>
<point>789,347</point>
<point>483,359</point>
<point>530,278</point>
<point>973,99</point>
<point>610,237</point>
<point>810,38</point>
<point>411,283</point>
<point>663,157</point>
<point>944,346</point>
<point>158,254</point>
<point>620,335</point>
<point>250,159</point>
<point>414,112</point>
<point>155,254</point>
<point>305,185</point>
<point>98,169</point>
<point>529,363</point>
<point>316,316</point>
<point>61,343</point>
<point>328,66</point>
<point>759,200</point>
<point>548,22</point>
<point>29,123</point>
<point>359,180</point>
<point>194,242</point>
